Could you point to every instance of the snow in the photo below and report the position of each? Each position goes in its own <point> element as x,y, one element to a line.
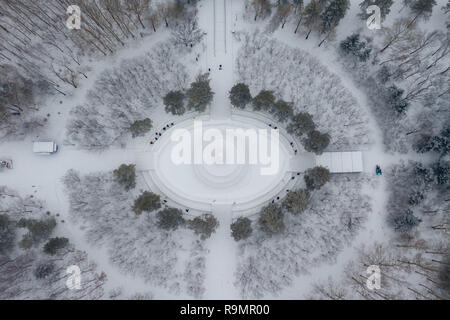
<point>341,162</point>
<point>44,147</point>
<point>227,192</point>
<point>199,185</point>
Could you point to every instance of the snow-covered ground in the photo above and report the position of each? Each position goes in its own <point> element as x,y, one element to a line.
<point>210,188</point>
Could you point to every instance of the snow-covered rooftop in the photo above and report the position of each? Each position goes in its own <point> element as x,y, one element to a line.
<point>341,162</point>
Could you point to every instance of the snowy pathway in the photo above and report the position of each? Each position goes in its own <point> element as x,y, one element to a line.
<point>219,53</point>
<point>221,261</point>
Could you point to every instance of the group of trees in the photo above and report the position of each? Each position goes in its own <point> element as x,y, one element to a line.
<point>19,97</point>
<point>406,66</point>
<point>147,245</point>
<point>271,217</point>
<point>302,124</point>
<point>322,16</point>
<point>417,188</point>
<point>197,97</point>
<point>265,101</point>
<point>329,223</point>
<point>47,56</point>
<point>289,72</point>
<point>411,269</point>
<point>417,192</point>
<point>106,26</point>
<point>121,101</point>
<point>439,143</point>
<point>33,263</point>
<point>172,218</point>
<point>167,218</point>
<point>299,124</point>
<point>419,9</point>
<point>34,232</point>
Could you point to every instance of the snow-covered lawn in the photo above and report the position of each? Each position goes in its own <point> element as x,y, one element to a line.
<point>397,219</point>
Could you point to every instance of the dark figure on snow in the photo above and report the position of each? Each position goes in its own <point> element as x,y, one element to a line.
<point>378,170</point>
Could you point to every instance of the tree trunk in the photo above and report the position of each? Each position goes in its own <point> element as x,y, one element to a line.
<point>309,32</point>
<point>298,25</point>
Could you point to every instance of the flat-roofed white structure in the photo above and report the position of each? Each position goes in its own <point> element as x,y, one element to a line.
<point>341,162</point>
<point>45,147</point>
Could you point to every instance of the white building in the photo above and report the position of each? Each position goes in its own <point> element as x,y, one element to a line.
<point>341,162</point>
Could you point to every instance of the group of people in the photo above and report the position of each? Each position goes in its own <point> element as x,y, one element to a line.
<point>292,144</point>
<point>220,68</point>
<point>159,134</point>
<point>293,147</point>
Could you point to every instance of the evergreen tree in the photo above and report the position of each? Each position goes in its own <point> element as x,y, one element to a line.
<point>316,142</point>
<point>54,244</point>
<point>240,95</point>
<point>439,143</point>
<point>241,229</point>
<point>271,219</point>
<point>264,101</point>
<point>332,15</point>
<point>315,178</point>
<point>44,270</point>
<point>301,123</point>
<point>296,201</point>
<point>356,48</point>
<point>140,127</point>
<point>147,201</point>
<point>441,170</point>
<point>170,218</point>
<point>393,98</point>
<point>126,176</point>
<point>204,225</point>
<point>406,221</point>
<point>38,230</point>
<point>312,16</point>
<point>423,175</point>
<point>420,8</point>
<point>200,94</point>
<point>174,103</point>
<point>416,197</point>
<point>282,110</point>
